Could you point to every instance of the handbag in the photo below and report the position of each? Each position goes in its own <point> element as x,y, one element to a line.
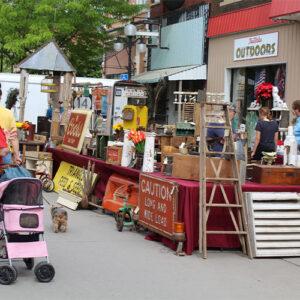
<point>14,172</point>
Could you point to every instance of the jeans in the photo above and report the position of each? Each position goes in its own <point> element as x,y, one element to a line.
<point>7,159</point>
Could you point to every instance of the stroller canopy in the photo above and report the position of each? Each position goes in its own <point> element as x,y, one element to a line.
<point>21,191</point>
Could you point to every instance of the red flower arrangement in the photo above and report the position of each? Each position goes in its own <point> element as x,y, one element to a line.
<point>138,138</point>
<point>264,91</point>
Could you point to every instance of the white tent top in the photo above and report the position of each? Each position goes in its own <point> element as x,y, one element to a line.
<point>49,57</point>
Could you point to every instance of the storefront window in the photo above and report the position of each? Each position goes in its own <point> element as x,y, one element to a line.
<point>244,82</point>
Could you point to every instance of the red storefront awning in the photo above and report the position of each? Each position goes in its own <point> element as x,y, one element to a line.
<point>241,20</point>
<point>281,8</point>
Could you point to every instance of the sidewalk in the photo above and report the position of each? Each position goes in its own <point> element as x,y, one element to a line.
<point>95,261</point>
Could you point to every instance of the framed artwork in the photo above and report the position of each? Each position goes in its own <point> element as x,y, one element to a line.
<point>76,130</point>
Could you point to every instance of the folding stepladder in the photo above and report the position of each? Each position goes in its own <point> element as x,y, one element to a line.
<point>236,207</point>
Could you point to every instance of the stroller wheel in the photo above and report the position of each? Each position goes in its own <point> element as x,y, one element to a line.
<point>44,271</point>
<point>8,275</point>
<point>29,262</point>
<point>119,220</point>
<point>48,185</point>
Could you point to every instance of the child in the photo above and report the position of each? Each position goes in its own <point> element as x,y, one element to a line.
<point>266,134</point>
<point>3,145</point>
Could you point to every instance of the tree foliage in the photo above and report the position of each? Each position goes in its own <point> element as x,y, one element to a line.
<point>78,26</point>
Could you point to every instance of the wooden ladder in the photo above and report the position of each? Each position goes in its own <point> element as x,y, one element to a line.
<point>236,207</point>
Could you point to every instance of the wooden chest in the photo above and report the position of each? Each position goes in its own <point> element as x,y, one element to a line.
<point>187,167</point>
<point>276,175</point>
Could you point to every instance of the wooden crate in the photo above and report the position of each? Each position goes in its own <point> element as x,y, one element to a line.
<point>187,167</point>
<point>114,155</point>
<point>274,223</point>
<point>276,175</point>
<point>38,155</point>
<point>165,140</point>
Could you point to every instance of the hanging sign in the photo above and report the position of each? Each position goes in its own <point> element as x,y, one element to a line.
<point>158,204</point>
<point>259,46</point>
<point>76,130</point>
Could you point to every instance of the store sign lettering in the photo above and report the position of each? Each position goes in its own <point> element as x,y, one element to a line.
<point>265,45</point>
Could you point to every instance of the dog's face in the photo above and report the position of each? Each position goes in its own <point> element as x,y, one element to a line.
<point>59,214</point>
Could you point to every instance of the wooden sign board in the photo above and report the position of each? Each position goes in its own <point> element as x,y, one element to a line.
<point>69,179</point>
<point>76,130</point>
<point>158,204</point>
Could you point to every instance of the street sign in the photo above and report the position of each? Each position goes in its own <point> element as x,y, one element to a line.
<point>124,76</point>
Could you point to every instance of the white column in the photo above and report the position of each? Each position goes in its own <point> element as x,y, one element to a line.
<point>127,152</point>
<point>148,163</point>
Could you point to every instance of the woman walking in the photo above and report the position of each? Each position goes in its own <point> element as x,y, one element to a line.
<point>266,134</point>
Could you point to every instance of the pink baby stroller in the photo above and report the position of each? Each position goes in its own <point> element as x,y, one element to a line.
<point>22,228</point>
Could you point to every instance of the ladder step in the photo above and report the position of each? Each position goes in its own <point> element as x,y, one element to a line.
<point>210,179</point>
<point>217,152</point>
<point>218,126</point>
<point>217,103</point>
<point>225,232</point>
<point>224,205</point>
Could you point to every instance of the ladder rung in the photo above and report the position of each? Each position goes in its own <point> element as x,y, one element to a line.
<point>224,205</point>
<point>210,179</point>
<point>225,232</point>
<point>217,103</point>
<point>217,152</point>
<point>217,126</point>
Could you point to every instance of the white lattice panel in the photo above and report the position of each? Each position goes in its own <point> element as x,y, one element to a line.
<point>274,223</point>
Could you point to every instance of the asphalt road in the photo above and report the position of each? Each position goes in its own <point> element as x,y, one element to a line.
<point>95,261</point>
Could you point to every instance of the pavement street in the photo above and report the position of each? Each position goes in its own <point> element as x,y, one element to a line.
<point>95,261</point>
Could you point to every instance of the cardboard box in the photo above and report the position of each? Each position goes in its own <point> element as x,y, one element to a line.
<point>40,138</point>
<point>114,155</point>
<point>187,167</point>
<point>178,140</point>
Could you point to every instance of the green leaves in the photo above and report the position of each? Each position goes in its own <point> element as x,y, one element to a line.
<point>77,25</point>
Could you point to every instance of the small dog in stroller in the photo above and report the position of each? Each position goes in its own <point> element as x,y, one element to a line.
<point>22,229</point>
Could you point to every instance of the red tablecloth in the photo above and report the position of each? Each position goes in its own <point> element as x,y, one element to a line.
<point>188,211</point>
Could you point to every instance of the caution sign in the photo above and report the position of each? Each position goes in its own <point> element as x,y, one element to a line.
<point>158,204</point>
<point>69,178</point>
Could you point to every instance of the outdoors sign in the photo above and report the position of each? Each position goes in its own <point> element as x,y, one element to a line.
<point>158,204</point>
<point>76,130</point>
<point>69,179</point>
<point>265,45</point>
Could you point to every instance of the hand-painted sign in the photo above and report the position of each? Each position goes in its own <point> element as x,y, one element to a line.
<point>265,45</point>
<point>76,130</point>
<point>69,179</point>
<point>158,204</point>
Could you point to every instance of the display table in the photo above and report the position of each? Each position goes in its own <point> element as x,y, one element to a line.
<point>188,211</point>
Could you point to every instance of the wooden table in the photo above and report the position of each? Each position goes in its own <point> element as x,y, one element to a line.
<point>24,145</point>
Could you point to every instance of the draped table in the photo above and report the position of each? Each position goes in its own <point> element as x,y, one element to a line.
<point>188,200</point>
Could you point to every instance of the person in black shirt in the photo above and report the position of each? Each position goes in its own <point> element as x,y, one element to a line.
<point>266,134</point>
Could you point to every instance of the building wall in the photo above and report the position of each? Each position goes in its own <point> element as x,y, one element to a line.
<point>221,50</point>
<point>223,6</point>
<point>185,41</point>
